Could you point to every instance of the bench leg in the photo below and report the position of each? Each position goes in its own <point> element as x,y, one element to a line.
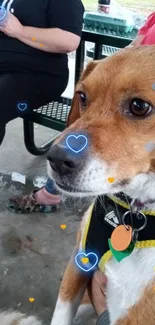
<point>28,128</point>
<point>98,51</point>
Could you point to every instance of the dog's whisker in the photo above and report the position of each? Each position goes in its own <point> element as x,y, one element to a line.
<point>130,209</point>
<point>101,200</point>
<point>152,170</point>
<point>149,173</point>
<point>118,214</point>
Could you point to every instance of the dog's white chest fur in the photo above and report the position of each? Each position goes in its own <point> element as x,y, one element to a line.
<point>127,280</point>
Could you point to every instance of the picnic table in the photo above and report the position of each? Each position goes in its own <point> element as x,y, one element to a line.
<point>54,114</point>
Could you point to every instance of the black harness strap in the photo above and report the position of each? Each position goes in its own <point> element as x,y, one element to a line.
<point>105,219</point>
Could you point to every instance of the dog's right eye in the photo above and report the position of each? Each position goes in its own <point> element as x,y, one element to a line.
<point>139,107</point>
<point>83,99</point>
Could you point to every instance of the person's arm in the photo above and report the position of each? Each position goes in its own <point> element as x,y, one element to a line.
<point>98,297</point>
<point>52,40</point>
<point>103,319</point>
<point>64,21</point>
<point>143,30</point>
<point>137,41</point>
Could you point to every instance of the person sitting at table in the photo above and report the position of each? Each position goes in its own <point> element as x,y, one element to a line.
<point>146,34</point>
<point>48,196</point>
<point>35,37</point>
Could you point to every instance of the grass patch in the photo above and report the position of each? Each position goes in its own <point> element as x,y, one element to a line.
<point>92,4</point>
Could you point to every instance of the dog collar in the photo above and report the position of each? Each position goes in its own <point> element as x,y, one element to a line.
<point>140,205</point>
<point>131,204</point>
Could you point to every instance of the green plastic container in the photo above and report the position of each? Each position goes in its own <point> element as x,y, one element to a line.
<point>99,22</point>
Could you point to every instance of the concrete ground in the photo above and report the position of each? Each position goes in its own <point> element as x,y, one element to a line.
<point>34,250</point>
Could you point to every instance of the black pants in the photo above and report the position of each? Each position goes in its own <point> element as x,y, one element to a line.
<point>33,89</point>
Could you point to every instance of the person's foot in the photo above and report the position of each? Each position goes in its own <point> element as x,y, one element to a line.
<point>37,201</point>
<point>44,197</point>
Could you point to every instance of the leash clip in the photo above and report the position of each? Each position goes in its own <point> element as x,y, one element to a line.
<point>135,231</point>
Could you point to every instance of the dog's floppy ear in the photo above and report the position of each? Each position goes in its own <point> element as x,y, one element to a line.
<point>74,113</point>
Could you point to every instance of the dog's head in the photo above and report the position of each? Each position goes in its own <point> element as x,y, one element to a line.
<point>114,110</point>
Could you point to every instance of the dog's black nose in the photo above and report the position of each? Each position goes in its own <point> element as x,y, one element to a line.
<point>62,161</point>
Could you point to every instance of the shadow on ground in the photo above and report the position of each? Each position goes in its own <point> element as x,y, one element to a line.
<point>34,251</point>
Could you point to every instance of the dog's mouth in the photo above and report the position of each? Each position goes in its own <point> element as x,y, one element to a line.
<point>72,190</point>
<point>75,191</point>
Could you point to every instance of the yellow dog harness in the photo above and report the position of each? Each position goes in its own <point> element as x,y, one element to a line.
<point>104,219</point>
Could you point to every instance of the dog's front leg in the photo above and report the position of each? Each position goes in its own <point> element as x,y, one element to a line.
<point>71,291</point>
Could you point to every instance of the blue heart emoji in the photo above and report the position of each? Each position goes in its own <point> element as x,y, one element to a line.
<point>22,106</point>
<point>150,146</point>
<point>90,265</point>
<point>76,143</point>
<point>2,12</point>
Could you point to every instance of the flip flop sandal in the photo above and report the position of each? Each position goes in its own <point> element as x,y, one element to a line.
<point>28,204</point>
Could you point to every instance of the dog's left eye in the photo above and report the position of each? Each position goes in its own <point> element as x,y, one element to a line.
<point>83,99</point>
<point>139,107</point>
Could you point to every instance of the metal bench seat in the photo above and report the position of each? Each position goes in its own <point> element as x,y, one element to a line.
<point>106,51</point>
<point>53,115</point>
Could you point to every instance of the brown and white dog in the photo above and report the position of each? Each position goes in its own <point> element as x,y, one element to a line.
<point>114,106</point>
